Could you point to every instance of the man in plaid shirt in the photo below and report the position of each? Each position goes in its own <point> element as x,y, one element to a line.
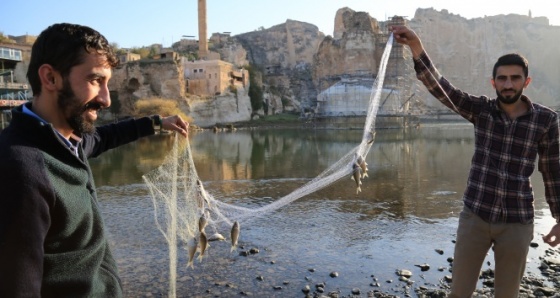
<point>510,131</point>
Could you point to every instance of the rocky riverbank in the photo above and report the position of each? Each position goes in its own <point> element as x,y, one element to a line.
<point>314,283</point>
<point>530,287</point>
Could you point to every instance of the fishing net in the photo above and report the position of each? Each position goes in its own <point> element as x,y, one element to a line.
<point>180,200</point>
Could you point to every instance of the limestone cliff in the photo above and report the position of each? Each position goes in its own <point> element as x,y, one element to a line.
<point>353,50</point>
<point>223,109</point>
<point>147,78</point>
<point>465,50</point>
<point>285,54</point>
<point>300,64</point>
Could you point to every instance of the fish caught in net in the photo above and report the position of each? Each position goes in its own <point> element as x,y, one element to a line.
<point>189,217</point>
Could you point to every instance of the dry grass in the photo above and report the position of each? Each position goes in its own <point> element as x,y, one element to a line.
<point>161,106</point>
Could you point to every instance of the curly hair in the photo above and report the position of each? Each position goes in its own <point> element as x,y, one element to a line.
<point>64,46</point>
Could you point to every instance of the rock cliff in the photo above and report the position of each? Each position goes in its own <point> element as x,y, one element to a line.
<point>147,78</point>
<point>465,50</point>
<point>299,63</point>
<point>350,52</point>
<point>285,55</point>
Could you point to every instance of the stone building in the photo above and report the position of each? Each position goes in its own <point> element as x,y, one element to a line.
<point>24,39</point>
<point>213,77</point>
<point>128,57</point>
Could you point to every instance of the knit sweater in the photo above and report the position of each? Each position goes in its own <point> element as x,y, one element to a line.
<point>52,237</point>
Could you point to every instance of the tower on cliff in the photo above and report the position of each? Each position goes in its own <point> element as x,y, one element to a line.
<point>202,27</point>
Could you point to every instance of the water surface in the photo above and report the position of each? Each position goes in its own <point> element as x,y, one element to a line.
<point>407,209</point>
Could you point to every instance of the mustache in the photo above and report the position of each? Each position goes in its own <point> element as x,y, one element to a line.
<point>93,106</point>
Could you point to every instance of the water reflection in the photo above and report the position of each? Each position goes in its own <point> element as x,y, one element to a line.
<point>126,164</point>
<point>407,168</point>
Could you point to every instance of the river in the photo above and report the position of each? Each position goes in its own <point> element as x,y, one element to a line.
<point>407,210</point>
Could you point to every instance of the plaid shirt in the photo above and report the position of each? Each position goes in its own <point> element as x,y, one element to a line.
<point>499,187</point>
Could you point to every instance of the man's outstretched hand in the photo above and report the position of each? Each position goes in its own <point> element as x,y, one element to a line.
<point>553,238</point>
<point>175,123</point>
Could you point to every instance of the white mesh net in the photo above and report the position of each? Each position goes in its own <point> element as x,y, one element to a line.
<point>181,202</point>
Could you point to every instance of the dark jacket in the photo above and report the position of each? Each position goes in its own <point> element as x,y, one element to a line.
<point>52,238</point>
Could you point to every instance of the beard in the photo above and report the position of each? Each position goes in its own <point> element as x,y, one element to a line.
<point>74,110</point>
<point>509,99</point>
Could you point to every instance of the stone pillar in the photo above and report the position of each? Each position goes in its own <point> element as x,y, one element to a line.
<point>202,27</point>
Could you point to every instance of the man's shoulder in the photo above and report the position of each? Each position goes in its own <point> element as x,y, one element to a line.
<point>544,112</point>
<point>543,109</point>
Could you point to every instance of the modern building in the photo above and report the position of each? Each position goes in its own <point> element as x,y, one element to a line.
<point>14,88</point>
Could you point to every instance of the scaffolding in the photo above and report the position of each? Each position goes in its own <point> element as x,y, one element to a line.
<point>10,90</point>
<point>349,94</point>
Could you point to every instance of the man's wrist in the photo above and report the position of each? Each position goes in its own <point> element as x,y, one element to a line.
<point>156,121</point>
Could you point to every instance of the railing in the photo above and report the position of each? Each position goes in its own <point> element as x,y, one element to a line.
<point>8,103</point>
<point>13,86</point>
<point>20,95</point>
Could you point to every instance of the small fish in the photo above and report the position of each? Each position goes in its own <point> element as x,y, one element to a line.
<point>200,198</point>
<point>356,175</point>
<point>363,165</point>
<point>202,195</point>
<point>371,137</point>
<point>202,223</point>
<point>216,237</point>
<point>191,249</point>
<point>203,244</point>
<point>234,235</point>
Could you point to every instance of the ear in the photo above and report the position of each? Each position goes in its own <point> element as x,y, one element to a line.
<point>51,80</point>
<point>527,82</point>
<point>493,83</point>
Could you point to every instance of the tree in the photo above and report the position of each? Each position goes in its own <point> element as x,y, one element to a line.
<point>256,95</point>
<point>5,39</point>
<point>153,52</point>
<point>143,52</point>
<point>255,90</point>
<point>115,107</point>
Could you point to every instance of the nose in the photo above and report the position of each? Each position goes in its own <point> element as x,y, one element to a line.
<point>508,84</point>
<point>104,96</point>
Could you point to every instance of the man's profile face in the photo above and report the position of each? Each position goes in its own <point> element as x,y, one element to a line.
<point>84,93</point>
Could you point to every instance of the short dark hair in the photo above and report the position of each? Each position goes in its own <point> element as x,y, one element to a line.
<point>64,46</point>
<point>512,59</point>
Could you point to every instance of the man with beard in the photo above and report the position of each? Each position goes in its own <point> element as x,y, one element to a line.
<point>52,238</point>
<point>510,132</point>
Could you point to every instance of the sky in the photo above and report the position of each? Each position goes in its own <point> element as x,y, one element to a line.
<point>141,23</point>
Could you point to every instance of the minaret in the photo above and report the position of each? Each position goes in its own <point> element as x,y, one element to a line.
<point>202,34</point>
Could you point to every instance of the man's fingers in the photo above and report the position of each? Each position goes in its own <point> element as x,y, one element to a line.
<point>551,240</point>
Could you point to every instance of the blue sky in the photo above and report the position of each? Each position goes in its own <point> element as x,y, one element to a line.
<point>141,23</point>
